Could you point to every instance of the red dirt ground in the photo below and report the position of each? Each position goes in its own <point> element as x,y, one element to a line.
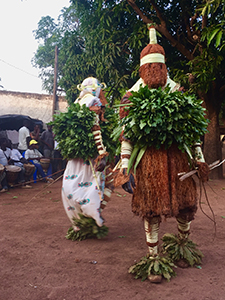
<point>38,263</point>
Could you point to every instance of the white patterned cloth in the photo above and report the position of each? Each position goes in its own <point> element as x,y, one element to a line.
<point>80,192</point>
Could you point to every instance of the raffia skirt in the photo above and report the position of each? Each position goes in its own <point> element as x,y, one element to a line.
<point>159,192</point>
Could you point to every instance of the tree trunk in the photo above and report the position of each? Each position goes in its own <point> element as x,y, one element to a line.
<point>212,145</point>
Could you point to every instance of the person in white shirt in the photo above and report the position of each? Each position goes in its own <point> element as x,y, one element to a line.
<point>32,154</point>
<point>4,156</point>
<point>24,136</point>
<point>18,160</point>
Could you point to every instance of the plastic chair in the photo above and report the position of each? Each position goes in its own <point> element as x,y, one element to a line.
<point>35,172</point>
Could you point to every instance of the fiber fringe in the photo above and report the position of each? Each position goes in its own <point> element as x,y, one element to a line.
<point>120,178</point>
<point>97,160</point>
<point>158,188</point>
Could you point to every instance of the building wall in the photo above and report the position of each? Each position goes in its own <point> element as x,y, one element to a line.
<point>37,106</point>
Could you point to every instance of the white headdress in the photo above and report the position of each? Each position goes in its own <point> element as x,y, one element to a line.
<point>90,85</point>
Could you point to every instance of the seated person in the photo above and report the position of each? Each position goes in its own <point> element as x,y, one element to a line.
<point>32,154</point>
<point>3,182</point>
<point>4,156</point>
<point>18,160</point>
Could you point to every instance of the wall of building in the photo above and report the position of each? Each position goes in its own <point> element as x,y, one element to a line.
<point>37,106</point>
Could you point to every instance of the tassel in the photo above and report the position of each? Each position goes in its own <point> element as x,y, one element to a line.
<point>121,178</point>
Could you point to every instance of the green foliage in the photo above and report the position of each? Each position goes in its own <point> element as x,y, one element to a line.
<point>158,117</point>
<point>204,68</point>
<point>214,34</point>
<point>104,40</point>
<point>207,63</point>
<point>62,33</point>
<point>72,131</point>
<point>88,229</point>
<point>107,128</point>
<point>210,6</point>
<point>115,135</point>
<point>105,28</point>
<point>157,265</point>
<point>178,249</point>
<point>98,46</point>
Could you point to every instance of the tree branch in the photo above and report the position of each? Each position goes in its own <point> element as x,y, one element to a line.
<point>158,13</point>
<point>144,18</point>
<point>193,18</point>
<point>204,21</point>
<point>188,28</point>
<point>222,89</point>
<point>161,28</point>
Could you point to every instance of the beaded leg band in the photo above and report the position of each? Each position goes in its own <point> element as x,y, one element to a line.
<point>151,232</point>
<point>183,227</point>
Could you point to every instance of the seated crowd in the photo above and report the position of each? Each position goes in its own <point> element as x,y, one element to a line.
<point>25,163</point>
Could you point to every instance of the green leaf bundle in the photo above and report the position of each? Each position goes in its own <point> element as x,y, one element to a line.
<point>107,128</point>
<point>181,249</point>
<point>88,229</point>
<point>157,117</point>
<point>72,131</point>
<point>157,265</point>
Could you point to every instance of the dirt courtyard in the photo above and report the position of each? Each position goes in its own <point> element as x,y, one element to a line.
<point>39,263</point>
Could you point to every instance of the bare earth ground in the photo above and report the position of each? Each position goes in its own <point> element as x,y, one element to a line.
<point>38,263</point>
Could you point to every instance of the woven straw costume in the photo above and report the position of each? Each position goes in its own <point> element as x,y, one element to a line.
<point>85,190</point>
<point>158,191</point>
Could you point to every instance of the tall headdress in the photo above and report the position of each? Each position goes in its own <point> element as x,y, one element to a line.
<point>152,57</point>
<point>153,69</point>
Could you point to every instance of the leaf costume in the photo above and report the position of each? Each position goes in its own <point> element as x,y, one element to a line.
<point>158,191</point>
<point>85,191</point>
<point>162,134</point>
